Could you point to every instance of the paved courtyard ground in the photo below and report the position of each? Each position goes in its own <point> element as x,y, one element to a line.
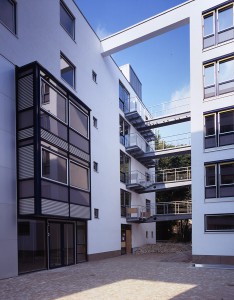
<point>143,277</point>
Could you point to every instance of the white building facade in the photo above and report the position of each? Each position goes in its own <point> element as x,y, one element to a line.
<point>74,136</point>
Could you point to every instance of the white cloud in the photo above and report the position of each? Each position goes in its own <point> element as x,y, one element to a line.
<point>102,32</point>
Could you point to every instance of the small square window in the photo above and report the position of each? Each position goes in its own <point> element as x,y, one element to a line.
<point>94,76</point>
<point>67,71</point>
<point>96,213</point>
<point>95,166</point>
<point>8,14</point>
<point>95,122</point>
<point>67,20</point>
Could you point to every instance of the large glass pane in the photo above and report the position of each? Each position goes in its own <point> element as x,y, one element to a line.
<point>79,121</point>
<point>226,70</point>
<point>209,25</point>
<point>210,176</point>
<point>55,246</point>
<point>79,176</point>
<point>227,173</point>
<point>209,125</point>
<point>123,98</point>
<point>67,20</point>
<point>220,223</point>
<point>53,102</point>
<point>209,76</point>
<point>31,245</point>
<point>225,17</point>
<point>226,121</point>
<point>54,167</point>
<point>67,71</point>
<point>68,239</point>
<point>7,14</point>
<point>81,242</point>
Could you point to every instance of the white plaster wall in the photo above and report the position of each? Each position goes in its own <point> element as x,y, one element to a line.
<point>8,223</point>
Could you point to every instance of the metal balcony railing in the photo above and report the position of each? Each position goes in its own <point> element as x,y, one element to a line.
<point>139,179</point>
<point>173,175</point>
<point>175,141</point>
<point>174,207</point>
<point>135,140</point>
<point>136,105</point>
<point>170,108</point>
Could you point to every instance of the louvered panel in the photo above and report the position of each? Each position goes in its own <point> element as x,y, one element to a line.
<point>26,162</point>
<point>79,153</point>
<point>25,92</point>
<point>54,139</point>
<point>78,211</point>
<point>25,133</point>
<point>26,206</point>
<point>55,208</point>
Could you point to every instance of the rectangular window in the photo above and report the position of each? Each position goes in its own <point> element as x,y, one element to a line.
<point>218,26</point>
<point>210,182</point>
<point>67,20</point>
<point>209,80</point>
<point>148,206</point>
<point>8,14</point>
<point>96,213</point>
<point>67,71</point>
<point>124,98</point>
<point>79,176</point>
<point>79,121</point>
<point>53,102</point>
<point>221,222</point>
<point>94,76</point>
<point>95,166</point>
<point>124,130</point>
<point>125,202</point>
<point>54,166</point>
<point>125,167</point>
<point>95,122</point>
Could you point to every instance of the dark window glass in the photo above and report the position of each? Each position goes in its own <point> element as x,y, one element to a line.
<point>54,167</point>
<point>79,141</point>
<point>219,222</point>
<point>7,14</point>
<point>25,119</point>
<point>79,197</point>
<point>96,213</point>
<point>209,125</point>
<point>79,176</point>
<point>210,176</point>
<point>67,71</point>
<point>124,97</point>
<point>95,166</point>
<point>227,173</point>
<point>94,76</point>
<point>124,167</point>
<point>67,20</point>
<point>79,121</point>
<point>53,102</point>
<point>226,121</point>
<point>31,245</point>
<point>125,202</point>
<point>81,243</point>
<point>95,122</point>
<point>54,126</point>
<point>123,131</point>
<point>54,191</point>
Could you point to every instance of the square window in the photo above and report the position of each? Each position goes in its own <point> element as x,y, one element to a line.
<point>8,14</point>
<point>94,76</point>
<point>67,20</point>
<point>79,176</point>
<point>95,166</point>
<point>95,122</point>
<point>67,71</point>
<point>96,213</point>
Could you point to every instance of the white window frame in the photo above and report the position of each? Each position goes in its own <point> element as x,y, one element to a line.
<point>215,127</point>
<point>224,8</point>
<point>204,16</point>
<point>72,18</point>
<point>214,185</point>
<point>87,137</point>
<point>219,165</point>
<point>74,70</point>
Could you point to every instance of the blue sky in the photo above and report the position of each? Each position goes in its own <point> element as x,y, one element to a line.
<point>161,63</point>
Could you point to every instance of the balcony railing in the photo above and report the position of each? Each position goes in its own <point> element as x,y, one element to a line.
<point>173,175</point>
<point>175,141</point>
<point>174,207</point>
<point>139,179</point>
<point>136,105</point>
<point>135,140</point>
<point>170,108</point>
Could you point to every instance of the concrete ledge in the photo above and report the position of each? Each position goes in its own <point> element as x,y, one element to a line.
<point>103,255</point>
<point>213,259</point>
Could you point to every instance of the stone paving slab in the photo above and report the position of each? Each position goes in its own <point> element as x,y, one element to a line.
<point>143,277</point>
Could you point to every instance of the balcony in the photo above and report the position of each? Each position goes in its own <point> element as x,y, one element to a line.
<point>162,211</point>
<point>138,181</point>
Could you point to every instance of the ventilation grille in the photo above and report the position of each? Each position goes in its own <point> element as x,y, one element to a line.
<point>26,162</point>
<point>54,139</point>
<point>26,206</point>
<point>55,208</point>
<point>25,92</point>
<point>79,153</point>
<point>77,211</point>
<point>25,133</point>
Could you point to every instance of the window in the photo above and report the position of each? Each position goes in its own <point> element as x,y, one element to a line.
<point>54,166</point>
<point>219,129</point>
<point>124,130</point>
<point>67,20</point>
<point>67,71</point>
<point>7,14</point>
<point>125,202</point>
<point>152,234</point>
<point>218,26</point>
<point>53,102</point>
<point>94,76</point>
<point>79,121</point>
<point>146,234</point>
<point>79,176</point>
<point>96,213</point>
<point>124,167</point>
<point>95,122</point>
<point>95,166</point>
<point>124,98</point>
<point>220,222</point>
<point>219,77</point>
<point>219,180</point>
<point>148,206</point>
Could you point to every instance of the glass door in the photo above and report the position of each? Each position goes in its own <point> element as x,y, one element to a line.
<point>68,244</point>
<point>55,245</point>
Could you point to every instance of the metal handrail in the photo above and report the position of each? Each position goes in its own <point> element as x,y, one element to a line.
<point>134,139</point>
<point>136,177</point>
<point>173,175</point>
<point>174,141</point>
